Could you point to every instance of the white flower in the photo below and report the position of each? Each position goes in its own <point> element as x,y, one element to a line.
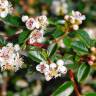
<point>10,58</point>
<point>78,17</point>
<point>39,22</point>
<point>52,70</point>
<point>42,67</point>
<point>24,18</point>
<point>31,23</point>
<point>5,8</point>
<point>42,21</point>
<point>60,62</point>
<point>36,36</point>
<point>62,69</point>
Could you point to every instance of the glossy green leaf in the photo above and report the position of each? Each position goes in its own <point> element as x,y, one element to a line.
<point>90,94</point>
<point>80,48</point>
<point>2,41</point>
<point>67,41</point>
<point>22,37</point>
<point>44,54</point>
<point>13,20</point>
<point>84,37</point>
<point>64,90</point>
<point>52,49</point>
<point>83,72</point>
<point>57,33</point>
<point>10,30</point>
<point>35,56</point>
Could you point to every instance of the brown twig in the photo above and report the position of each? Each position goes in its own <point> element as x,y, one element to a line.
<point>61,37</point>
<point>4,87</point>
<point>71,75</point>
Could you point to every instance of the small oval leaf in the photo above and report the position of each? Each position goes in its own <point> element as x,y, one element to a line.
<point>52,49</point>
<point>64,90</point>
<point>80,48</point>
<point>35,56</point>
<point>83,72</point>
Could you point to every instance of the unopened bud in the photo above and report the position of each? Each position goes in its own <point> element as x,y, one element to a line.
<point>93,49</point>
<point>93,57</point>
<point>75,27</point>
<point>90,62</point>
<point>66,17</point>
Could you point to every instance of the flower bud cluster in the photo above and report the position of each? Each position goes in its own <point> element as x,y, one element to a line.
<point>52,70</point>
<point>75,19</point>
<point>92,57</point>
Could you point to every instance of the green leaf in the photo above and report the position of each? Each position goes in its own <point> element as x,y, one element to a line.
<point>83,72</point>
<point>9,93</point>
<point>57,33</point>
<point>64,90</point>
<point>44,54</point>
<point>79,47</point>
<point>11,30</point>
<point>13,20</point>
<point>52,49</point>
<point>67,41</point>
<point>90,94</point>
<point>22,37</point>
<point>84,37</point>
<point>2,41</point>
<point>47,1</point>
<point>35,56</point>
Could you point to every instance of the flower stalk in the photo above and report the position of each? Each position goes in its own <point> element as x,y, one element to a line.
<point>71,75</point>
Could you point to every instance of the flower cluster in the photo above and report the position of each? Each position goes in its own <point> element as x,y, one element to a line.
<point>10,58</point>
<point>52,70</point>
<point>59,7</point>
<point>92,57</point>
<point>5,8</point>
<point>37,26</point>
<point>39,22</point>
<point>75,19</point>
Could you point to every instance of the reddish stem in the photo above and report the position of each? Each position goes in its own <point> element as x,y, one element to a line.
<point>40,45</point>
<point>71,75</point>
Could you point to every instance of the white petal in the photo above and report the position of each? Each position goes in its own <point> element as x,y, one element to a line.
<point>17,47</point>
<point>62,69</point>
<point>38,68</point>
<point>53,65</point>
<point>48,78</point>
<point>60,62</point>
